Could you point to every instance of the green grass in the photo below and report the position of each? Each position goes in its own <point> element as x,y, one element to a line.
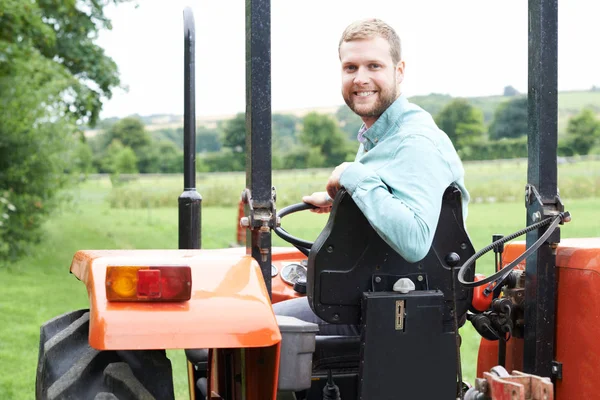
<point>575,101</point>
<point>490,181</point>
<point>39,286</point>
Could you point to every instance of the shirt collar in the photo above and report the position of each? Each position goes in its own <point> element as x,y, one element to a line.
<point>361,132</point>
<point>383,123</point>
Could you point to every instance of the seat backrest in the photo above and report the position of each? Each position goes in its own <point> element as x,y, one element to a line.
<point>349,258</point>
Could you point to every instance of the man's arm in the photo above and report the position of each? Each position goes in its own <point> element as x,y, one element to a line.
<point>402,200</point>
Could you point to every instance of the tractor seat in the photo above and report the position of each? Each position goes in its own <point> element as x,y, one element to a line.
<point>336,352</point>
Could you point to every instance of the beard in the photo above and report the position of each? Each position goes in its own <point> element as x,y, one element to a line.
<point>385,98</point>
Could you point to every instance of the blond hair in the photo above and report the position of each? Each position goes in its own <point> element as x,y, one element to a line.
<point>371,28</point>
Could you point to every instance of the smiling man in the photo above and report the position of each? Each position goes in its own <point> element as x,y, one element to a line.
<point>404,162</point>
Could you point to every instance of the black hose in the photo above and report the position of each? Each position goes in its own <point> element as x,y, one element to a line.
<point>503,273</point>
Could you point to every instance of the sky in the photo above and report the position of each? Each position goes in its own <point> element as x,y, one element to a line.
<point>456,47</point>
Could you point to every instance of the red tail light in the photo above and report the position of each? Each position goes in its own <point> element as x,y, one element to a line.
<point>148,283</point>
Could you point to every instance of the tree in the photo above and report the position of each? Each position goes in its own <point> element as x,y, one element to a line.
<point>62,35</point>
<point>284,131</point>
<point>83,159</point>
<point>6,208</point>
<point>207,140</point>
<point>583,131</point>
<point>433,103</point>
<point>234,133</point>
<point>349,121</point>
<point>130,131</point>
<point>510,91</point>
<point>171,158</point>
<point>322,132</point>
<point>462,122</point>
<point>52,79</point>
<point>120,160</point>
<point>510,120</point>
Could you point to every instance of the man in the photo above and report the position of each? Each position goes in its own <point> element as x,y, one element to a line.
<point>404,162</point>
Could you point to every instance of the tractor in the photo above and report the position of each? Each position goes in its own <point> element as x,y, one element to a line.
<point>217,304</point>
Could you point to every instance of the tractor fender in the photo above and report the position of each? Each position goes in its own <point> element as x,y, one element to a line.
<point>229,305</point>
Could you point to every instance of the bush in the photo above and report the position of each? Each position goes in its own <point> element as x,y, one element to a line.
<point>493,150</point>
<point>223,161</point>
<point>583,131</point>
<point>53,77</point>
<point>6,208</point>
<point>462,122</point>
<point>37,157</point>
<point>510,120</point>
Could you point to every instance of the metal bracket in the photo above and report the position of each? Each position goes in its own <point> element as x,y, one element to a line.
<point>261,219</point>
<point>557,370</point>
<point>515,386</point>
<point>541,209</point>
<point>549,208</point>
<point>385,282</point>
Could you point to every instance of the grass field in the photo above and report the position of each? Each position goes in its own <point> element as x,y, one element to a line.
<point>39,286</point>
<point>491,181</point>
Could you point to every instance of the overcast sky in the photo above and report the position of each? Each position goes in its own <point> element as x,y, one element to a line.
<point>458,47</point>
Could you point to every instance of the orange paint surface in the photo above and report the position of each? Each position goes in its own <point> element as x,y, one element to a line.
<point>577,319</point>
<point>229,308</point>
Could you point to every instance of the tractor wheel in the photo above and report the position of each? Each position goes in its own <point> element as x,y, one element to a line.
<point>68,368</point>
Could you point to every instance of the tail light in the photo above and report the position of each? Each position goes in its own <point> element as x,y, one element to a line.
<point>148,283</point>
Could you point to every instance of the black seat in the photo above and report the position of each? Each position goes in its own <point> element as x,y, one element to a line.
<point>350,258</point>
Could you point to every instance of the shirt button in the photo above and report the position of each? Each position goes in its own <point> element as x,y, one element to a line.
<point>376,140</point>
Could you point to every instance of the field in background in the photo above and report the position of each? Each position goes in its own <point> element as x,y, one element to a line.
<point>487,182</point>
<point>39,286</point>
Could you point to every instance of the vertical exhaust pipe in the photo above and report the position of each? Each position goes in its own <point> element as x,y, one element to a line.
<point>190,201</point>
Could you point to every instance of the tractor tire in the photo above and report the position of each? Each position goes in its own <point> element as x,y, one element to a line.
<point>68,368</point>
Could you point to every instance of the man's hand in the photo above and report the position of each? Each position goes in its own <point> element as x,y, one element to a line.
<point>321,200</point>
<point>333,184</point>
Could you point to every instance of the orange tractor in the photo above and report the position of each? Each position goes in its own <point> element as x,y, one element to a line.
<point>534,312</point>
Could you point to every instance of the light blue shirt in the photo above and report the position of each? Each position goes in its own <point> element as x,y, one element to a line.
<point>402,168</point>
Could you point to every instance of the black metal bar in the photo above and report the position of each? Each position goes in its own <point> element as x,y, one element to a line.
<point>540,280</point>
<point>190,201</point>
<point>258,127</point>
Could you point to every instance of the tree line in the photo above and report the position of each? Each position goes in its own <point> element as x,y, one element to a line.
<point>54,78</point>
<point>321,140</point>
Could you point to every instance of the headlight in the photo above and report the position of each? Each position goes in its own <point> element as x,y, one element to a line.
<point>292,272</point>
<point>274,271</point>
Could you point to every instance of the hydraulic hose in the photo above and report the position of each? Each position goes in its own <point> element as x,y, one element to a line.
<point>501,275</point>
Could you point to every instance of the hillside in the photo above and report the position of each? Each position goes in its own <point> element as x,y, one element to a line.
<point>569,104</point>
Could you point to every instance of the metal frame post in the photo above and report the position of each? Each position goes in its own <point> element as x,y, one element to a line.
<point>259,194</point>
<point>190,201</point>
<point>542,190</point>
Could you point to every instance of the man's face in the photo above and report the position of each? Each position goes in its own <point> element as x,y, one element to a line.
<point>370,78</point>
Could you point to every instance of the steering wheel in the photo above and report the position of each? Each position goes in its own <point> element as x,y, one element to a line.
<point>303,245</point>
